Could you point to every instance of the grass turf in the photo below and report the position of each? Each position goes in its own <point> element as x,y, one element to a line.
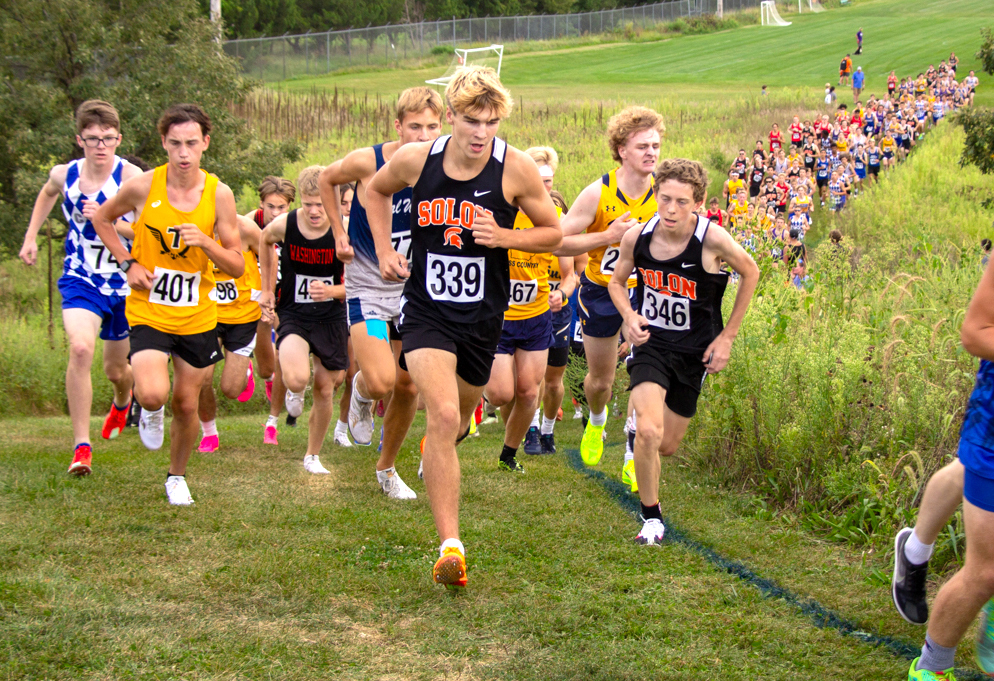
<point>278,573</point>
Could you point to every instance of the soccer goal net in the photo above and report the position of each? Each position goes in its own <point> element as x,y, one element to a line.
<point>812,6</point>
<point>491,56</point>
<point>769,16</point>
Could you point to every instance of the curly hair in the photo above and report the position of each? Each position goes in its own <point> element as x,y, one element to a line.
<point>627,122</point>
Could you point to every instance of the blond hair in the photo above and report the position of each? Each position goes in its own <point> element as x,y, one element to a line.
<point>414,100</point>
<point>627,122</point>
<point>544,156</point>
<point>685,171</point>
<point>277,185</point>
<point>475,88</point>
<point>96,112</point>
<point>308,181</point>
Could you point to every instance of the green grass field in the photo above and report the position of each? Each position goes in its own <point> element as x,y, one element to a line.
<point>276,574</point>
<point>900,35</point>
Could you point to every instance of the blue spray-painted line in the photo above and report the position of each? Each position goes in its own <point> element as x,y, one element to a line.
<point>819,615</point>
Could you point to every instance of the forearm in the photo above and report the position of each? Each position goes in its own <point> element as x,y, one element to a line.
<point>331,198</point>
<point>380,215</point>
<point>619,296</point>
<point>42,208</point>
<point>337,292</point>
<point>580,244</point>
<point>267,265</point>
<point>228,260</point>
<point>108,235</point>
<point>535,239</point>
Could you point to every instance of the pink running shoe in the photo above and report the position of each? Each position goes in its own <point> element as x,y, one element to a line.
<point>249,387</point>
<point>269,436</point>
<point>269,391</point>
<point>209,444</point>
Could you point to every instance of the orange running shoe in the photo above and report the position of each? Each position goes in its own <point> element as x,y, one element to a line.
<point>115,422</point>
<point>450,569</point>
<point>82,460</point>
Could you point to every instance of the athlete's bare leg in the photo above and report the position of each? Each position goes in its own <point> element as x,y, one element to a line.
<point>325,384</point>
<point>658,434</point>
<point>602,362</point>
<point>343,403</point>
<point>279,392</point>
<point>555,391</point>
<point>962,597</point>
<point>377,364</point>
<point>265,353</point>
<point>207,406</point>
<point>295,363</point>
<point>151,370</point>
<point>184,428</point>
<point>82,330</point>
<point>943,495</point>
<point>234,376</point>
<point>402,405</point>
<point>449,404</point>
<point>529,369</point>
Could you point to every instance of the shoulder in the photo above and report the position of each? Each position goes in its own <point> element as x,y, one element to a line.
<point>57,175</point>
<point>129,170</point>
<point>223,193</point>
<point>410,155</point>
<point>517,161</point>
<point>360,161</point>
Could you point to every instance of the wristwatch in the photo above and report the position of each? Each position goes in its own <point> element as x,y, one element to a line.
<point>126,265</point>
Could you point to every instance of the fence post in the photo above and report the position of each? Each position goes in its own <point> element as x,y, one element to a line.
<point>327,51</point>
<point>453,30</point>
<point>284,56</point>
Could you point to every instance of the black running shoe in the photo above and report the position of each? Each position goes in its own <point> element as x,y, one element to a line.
<point>511,466</point>
<point>134,414</point>
<point>532,444</point>
<point>291,421</point>
<point>908,583</point>
<point>548,443</point>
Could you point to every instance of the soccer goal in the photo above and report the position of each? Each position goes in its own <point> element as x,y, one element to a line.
<point>491,56</point>
<point>769,16</point>
<point>812,6</point>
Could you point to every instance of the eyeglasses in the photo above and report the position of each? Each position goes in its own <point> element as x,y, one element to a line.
<point>94,142</point>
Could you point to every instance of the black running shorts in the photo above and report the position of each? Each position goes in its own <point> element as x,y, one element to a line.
<point>680,374</point>
<point>474,345</point>
<point>199,350</point>
<point>238,339</point>
<point>328,341</point>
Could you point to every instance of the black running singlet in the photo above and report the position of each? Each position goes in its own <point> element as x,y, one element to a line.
<point>454,279</point>
<point>302,262</point>
<point>678,297</point>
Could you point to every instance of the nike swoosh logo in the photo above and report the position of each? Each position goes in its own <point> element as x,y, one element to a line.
<point>482,193</point>
<point>685,265</point>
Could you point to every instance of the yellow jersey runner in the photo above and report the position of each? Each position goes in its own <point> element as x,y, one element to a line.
<point>613,204</point>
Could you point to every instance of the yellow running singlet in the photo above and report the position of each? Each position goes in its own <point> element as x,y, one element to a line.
<point>181,300</point>
<point>529,277</point>
<point>238,299</point>
<point>614,203</point>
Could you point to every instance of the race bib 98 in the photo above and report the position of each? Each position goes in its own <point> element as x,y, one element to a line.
<point>523,291</point>
<point>174,288</point>
<point>455,279</point>
<point>98,258</point>
<point>302,288</point>
<point>226,292</point>
<point>665,312</point>
<point>402,243</point>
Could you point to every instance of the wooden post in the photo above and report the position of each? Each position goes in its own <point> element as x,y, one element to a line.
<point>51,328</point>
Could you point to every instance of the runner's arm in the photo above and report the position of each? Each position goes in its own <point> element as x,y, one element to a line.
<point>274,232</point>
<point>534,201</point>
<point>332,200</point>
<point>977,333</point>
<point>724,247</point>
<point>250,234</point>
<point>634,326</point>
<point>581,216</point>
<point>567,279</point>
<point>130,197</point>
<point>403,171</point>
<point>227,255</point>
<point>47,198</point>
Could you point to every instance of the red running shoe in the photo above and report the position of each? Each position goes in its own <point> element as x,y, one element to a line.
<point>450,569</point>
<point>269,391</point>
<point>115,422</point>
<point>249,387</point>
<point>82,460</point>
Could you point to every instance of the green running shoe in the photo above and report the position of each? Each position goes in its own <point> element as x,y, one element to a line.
<point>592,444</point>
<point>511,466</point>
<point>628,475</point>
<point>985,639</point>
<point>926,675</point>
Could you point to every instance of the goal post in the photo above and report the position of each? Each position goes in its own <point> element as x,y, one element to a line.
<point>769,16</point>
<point>492,56</point>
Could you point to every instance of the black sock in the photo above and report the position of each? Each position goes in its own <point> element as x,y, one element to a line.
<point>631,440</point>
<point>464,435</point>
<point>169,475</point>
<point>508,454</point>
<point>649,512</point>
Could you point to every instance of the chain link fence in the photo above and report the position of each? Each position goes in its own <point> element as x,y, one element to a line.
<point>289,56</point>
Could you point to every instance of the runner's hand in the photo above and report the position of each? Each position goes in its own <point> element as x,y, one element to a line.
<point>320,291</point>
<point>717,354</point>
<point>343,248</point>
<point>29,252</point>
<point>193,236</point>
<point>139,278</point>
<point>636,329</point>
<point>393,266</point>
<point>485,230</point>
<point>556,301</point>
<point>90,208</point>
<point>267,301</point>
<point>620,226</point>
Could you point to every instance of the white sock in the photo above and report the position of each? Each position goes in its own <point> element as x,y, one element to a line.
<point>272,421</point>
<point>341,427</point>
<point>599,419</point>
<point>209,427</point>
<point>535,418</point>
<point>548,425</point>
<point>916,551</point>
<point>452,542</point>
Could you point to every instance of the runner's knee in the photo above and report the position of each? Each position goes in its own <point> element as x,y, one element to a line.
<point>80,352</point>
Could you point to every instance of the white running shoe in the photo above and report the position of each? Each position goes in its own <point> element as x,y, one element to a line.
<point>152,429</point>
<point>342,438</point>
<point>421,470</point>
<point>652,533</point>
<point>577,413</point>
<point>312,464</point>
<point>294,403</point>
<point>177,491</point>
<point>393,486</point>
<point>360,417</point>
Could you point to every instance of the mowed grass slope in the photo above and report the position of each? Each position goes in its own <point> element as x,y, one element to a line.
<point>275,573</point>
<point>900,35</point>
